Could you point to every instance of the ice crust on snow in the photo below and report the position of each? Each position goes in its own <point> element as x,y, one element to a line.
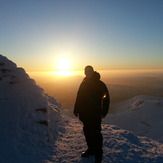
<point>35,130</point>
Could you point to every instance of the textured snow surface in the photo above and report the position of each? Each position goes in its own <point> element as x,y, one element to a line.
<point>119,145</point>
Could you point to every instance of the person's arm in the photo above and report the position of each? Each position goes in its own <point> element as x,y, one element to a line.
<point>105,102</point>
<point>76,111</point>
<point>77,102</point>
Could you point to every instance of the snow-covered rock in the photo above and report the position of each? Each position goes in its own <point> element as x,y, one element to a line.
<point>141,114</point>
<point>28,117</point>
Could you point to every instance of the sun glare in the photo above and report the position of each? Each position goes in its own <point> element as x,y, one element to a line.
<point>63,66</point>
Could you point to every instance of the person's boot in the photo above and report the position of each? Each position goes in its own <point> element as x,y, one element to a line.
<point>87,153</point>
<point>98,157</point>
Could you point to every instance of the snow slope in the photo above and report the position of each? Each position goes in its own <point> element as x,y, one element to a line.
<point>34,129</point>
<point>142,115</point>
<point>119,145</point>
<point>28,118</point>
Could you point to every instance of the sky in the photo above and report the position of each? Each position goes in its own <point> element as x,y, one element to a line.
<point>107,34</point>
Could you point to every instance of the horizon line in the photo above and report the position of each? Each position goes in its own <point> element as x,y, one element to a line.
<point>149,69</point>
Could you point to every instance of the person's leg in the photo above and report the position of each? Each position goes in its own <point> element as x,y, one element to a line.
<point>98,140</point>
<point>87,129</point>
<point>88,135</point>
<point>94,139</point>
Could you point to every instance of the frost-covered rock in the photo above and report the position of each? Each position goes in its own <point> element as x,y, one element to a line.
<point>28,118</point>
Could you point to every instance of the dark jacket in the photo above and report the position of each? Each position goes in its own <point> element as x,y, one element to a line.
<point>92,98</point>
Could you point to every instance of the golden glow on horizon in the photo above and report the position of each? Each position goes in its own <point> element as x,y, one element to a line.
<point>64,73</point>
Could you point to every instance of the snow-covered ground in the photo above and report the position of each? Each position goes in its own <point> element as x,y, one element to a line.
<point>119,145</point>
<point>142,115</point>
<point>34,129</point>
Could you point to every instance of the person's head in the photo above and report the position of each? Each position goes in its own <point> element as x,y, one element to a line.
<point>89,71</point>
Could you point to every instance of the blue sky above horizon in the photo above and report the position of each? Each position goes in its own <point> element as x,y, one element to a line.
<point>108,34</point>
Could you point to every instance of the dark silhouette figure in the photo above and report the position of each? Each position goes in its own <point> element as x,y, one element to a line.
<point>92,104</point>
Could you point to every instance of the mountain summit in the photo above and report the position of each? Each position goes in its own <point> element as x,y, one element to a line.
<point>35,130</point>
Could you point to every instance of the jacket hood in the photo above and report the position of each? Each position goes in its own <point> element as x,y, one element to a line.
<point>96,76</point>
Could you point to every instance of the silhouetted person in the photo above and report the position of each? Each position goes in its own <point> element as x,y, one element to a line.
<point>92,104</point>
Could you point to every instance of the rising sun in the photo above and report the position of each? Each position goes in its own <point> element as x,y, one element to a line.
<point>63,66</point>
